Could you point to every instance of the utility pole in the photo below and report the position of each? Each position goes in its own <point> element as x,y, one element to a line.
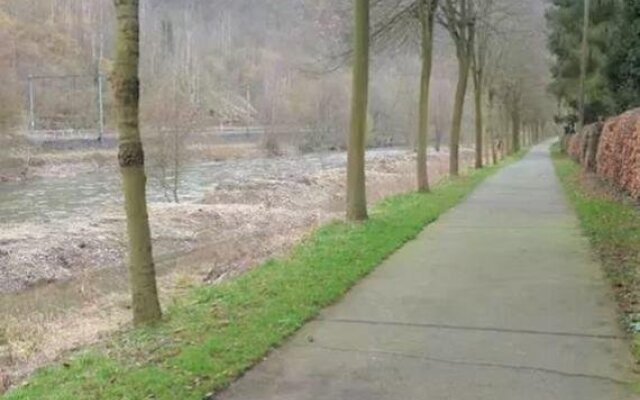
<point>583,63</point>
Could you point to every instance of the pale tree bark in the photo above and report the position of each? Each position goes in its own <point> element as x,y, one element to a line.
<point>427,10</point>
<point>356,186</point>
<point>126,86</point>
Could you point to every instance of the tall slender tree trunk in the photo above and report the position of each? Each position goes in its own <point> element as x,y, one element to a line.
<point>427,14</point>
<point>505,127</point>
<point>477,92</point>
<point>126,86</point>
<point>491,137</point>
<point>491,128</point>
<point>458,110</point>
<point>515,129</point>
<point>356,187</point>
<point>494,153</point>
<point>486,147</point>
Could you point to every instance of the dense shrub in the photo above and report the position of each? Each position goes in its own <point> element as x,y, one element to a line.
<point>618,158</point>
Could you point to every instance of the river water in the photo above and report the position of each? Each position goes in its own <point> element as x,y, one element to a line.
<point>51,202</point>
<point>56,198</point>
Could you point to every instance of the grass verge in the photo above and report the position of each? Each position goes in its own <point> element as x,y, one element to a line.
<point>612,224</point>
<point>213,334</point>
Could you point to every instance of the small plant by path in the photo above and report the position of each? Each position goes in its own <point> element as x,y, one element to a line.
<point>215,333</point>
<point>612,224</point>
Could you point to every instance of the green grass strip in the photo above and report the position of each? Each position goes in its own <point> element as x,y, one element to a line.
<point>215,333</point>
<point>613,228</point>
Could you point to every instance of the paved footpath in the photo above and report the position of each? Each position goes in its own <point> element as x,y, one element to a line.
<point>498,300</point>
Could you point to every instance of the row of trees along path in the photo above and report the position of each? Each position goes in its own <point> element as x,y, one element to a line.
<point>470,23</point>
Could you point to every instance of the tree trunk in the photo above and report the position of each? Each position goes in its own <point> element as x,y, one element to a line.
<point>126,86</point>
<point>486,147</point>
<point>458,110</point>
<point>491,137</point>
<point>427,12</point>
<point>515,132</point>
<point>494,153</point>
<point>491,131</point>
<point>356,189</point>
<point>477,92</point>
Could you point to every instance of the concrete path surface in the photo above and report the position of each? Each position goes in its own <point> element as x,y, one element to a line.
<point>498,300</point>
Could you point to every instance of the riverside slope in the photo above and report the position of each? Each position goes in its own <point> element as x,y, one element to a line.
<point>500,299</point>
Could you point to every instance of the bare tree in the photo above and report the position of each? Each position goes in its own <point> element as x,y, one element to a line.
<point>396,23</point>
<point>485,65</point>
<point>512,94</point>
<point>481,49</point>
<point>170,125</point>
<point>126,86</point>
<point>494,141</point>
<point>356,189</point>
<point>427,10</point>
<point>458,17</point>
<point>516,80</point>
<point>394,29</point>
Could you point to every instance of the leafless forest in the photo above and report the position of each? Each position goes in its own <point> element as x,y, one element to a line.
<point>274,64</point>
